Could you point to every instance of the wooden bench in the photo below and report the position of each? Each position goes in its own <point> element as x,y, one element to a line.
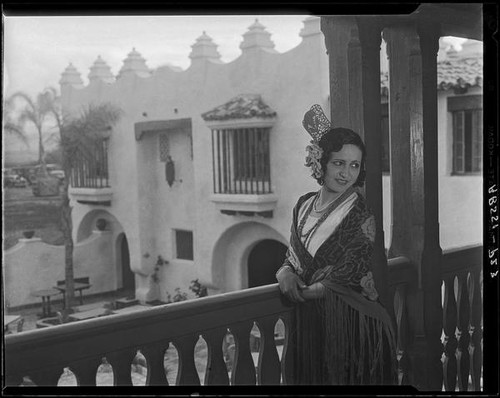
<point>80,284</point>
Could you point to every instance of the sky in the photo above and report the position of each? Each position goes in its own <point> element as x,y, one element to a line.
<point>38,49</point>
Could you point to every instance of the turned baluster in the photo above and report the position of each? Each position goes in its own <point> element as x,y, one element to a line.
<point>463,332</point>
<point>244,368</point>
<point>216,373</point>
<point>450,340</point>
<point>401,314</point>
<point>475,352</point>
<point>187,376</point>
<point>85,371</point>
<point>155,357</point>
<point>287,356</point>
<point>121,362</point>
<point>269,362</point>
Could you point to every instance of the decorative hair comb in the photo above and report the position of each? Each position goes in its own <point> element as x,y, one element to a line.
<point>315,122</point>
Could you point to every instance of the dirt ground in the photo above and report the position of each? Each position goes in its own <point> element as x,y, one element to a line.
<point>22,211</point>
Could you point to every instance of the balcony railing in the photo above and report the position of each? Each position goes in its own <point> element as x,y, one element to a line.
<point>90,169</point>
<point>462,319</point>
<point>462,316</point>
<point>43,354</point>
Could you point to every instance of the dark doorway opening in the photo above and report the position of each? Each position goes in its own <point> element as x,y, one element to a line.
<point>128,277</point>
<point>263,262</point>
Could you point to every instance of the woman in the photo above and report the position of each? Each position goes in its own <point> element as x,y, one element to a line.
<point>344,334</point>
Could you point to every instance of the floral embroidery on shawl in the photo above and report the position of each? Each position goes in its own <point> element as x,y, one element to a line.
<point>368,228</point>
<point>368,285</point>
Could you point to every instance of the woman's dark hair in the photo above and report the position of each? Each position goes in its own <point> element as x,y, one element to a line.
<point>333,141</point>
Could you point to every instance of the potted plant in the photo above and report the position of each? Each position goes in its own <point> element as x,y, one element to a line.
<point>28,234</point>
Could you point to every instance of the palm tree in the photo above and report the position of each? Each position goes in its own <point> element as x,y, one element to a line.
<point>78,134</point>
<point>10,126</point>
<point>35,112</point>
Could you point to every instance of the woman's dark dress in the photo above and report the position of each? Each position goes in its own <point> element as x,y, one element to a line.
<point>346,337</point>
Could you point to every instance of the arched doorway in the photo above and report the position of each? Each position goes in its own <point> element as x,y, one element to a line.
<point>128,277</point>
<point>263,262</point>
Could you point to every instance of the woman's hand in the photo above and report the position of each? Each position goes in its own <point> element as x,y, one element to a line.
<point>314,291</point>
<point>291,285</point>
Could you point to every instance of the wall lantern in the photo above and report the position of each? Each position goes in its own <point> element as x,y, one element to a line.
<point>170,171</point>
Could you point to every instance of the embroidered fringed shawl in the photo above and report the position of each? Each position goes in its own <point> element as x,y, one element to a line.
<point>346,337</point>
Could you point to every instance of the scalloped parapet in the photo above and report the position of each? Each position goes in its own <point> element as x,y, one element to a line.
<point>204,48</point>
<point>311,27</point>
<point>71,77</point>
<point>100,71</point>
<point>257,37</point>
<point>134,63</point>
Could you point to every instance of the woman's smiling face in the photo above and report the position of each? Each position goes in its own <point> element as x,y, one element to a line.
<point>342,170</point>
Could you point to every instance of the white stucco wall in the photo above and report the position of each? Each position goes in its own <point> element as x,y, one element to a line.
<point>34,265</point>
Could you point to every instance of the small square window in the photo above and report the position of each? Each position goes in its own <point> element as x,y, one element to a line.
<point>184,244</point>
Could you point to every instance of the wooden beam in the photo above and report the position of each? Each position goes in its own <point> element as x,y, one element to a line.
<point>161,125</point>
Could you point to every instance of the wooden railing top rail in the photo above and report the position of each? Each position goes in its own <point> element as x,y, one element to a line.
<point>34,350</point>
<point>462,259</point>
<point>400,271</point>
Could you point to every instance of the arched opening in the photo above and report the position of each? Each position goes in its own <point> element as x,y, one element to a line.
<point>263,262</point>
<point>128,277</point>
<point>230,261</point>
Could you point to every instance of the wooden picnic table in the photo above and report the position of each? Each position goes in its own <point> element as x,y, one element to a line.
<point>78,286</point>
<point>45,295</point>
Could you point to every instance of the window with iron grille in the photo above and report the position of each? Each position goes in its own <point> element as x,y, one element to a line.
<point>467,116</point>
<point>241,162</point>
<point>184,244</point>
<point>90,166</point>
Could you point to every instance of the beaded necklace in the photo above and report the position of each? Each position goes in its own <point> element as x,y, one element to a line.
<point>306,237</point>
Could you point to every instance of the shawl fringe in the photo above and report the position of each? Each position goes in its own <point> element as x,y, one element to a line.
<point>349,347</point>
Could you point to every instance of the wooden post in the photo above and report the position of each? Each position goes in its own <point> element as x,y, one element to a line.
<point>337,31</point>
<point>431,266</point>
<point>412,53</point>
<point>369,31</point>
<point>397,39</point>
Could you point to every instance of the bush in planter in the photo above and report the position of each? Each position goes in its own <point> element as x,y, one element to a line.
<point>46,186</point>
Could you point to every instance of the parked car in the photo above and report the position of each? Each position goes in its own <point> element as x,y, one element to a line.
<point>27,172</point>
<point>11,179</point>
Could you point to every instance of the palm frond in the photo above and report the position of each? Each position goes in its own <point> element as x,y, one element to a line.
<point>14,129</point>
<point>20,95</point>
<point>82,134</point>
